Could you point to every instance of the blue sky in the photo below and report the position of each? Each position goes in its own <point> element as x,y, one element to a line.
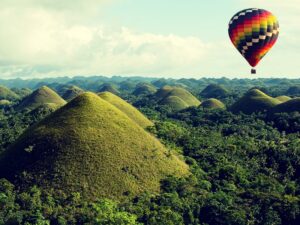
<point>166,38</point>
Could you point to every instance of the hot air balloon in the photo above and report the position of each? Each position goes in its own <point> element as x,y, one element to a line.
<point>253,32</point>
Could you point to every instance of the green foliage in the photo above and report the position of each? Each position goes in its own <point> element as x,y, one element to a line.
<point>7,94</point>
<point>214,91</point>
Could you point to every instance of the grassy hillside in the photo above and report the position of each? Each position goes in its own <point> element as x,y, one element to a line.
<point>22,92</point>
<point>283,98</point>
<point>109,88</point>
<point>212,104</point>
<point>72,92</point>
<point>144,89</point>
<point>254,101</point>
<point>5,102</point>
<point>214,91</point>
<point>126,108</point>
<point>104,154</point>
<point>176,98</point>
<point>7,94</point>
<point>40,97</point>
<point>292,105</point>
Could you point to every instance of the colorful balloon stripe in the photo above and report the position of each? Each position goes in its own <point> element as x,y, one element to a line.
<point>253,32</point>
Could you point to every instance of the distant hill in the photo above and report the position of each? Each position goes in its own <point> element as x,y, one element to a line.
<point>283,98</point>
<point>4,103</point>
<point>294,91</point>
<point>91,147</point>
<point>212,104</point>
<point>254,101</point>
<point>109,88</point>
<point>7,94</point>
<point>214,91</point>
<point>72,92</point>
<point>176,98</point>
<point>40,97</point>
<point>144,89</point>
<point>292,105</point>
<point>22,92</point>
<point>126,108</point>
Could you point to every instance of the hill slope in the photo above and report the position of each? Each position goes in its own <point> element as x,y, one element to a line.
<point>109,88</point>
<point>292,105</point>
<point>126,108</point>
<point>144,89</point>
<point>104,154</point>
<point>40,97</point>
<point>283,98</point>
<point>72,93</point>
<point>214,91</point>
<point>212,104</point>
<point>176,98</point>
<point>7,94</point>
<point>254,101</point>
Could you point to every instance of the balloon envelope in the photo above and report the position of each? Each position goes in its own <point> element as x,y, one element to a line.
<point>253,32</point>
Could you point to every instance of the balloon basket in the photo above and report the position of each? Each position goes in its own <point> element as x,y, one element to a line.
<point>253,71</point>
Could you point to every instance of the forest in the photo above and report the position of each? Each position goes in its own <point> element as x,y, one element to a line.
<point>239,139</point>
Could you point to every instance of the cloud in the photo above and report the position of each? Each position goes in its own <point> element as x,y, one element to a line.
<point>40,38</point>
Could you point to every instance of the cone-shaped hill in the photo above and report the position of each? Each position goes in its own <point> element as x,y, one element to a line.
<point>283,98</point>
<point>292,105</point>
<point>144,89</point>
<point>126,108</point>
<point>176,98</point>
<point>109,88</point>
<point>254,101</point>
<point>214,91</point>
<point>90,146</point>
<point>72,92</point>
<point>39,97</point>
<point>7,94</point>
<point>212,104</point>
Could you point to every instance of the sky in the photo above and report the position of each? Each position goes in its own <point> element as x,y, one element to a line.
<point>153,38</point>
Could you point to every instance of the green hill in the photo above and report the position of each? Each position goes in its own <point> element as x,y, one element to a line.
<point>283,98</point>
<point>175,103</point>
<point>22,92</point>
<point>7,94</point>
<point>293,91</point>
<point>254,101</point>
<point>109,88</point>
<point>214,91</point>
<point>144,89</point>
<point>176,98</point>
<point>212,104</point>
<point>4,103</point>
<point>126,108</point>
<point>72,92</point>
<point>90,146</point>
<point>292,105</point>
<point>40,97</point>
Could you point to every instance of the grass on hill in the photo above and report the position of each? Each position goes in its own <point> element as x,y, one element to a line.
<point>5,102</point>
<point>7,94</point>
<point>126,108</point>
<point>214,91</point>
<point>283,98</point>
<point>144,89</point>
<point>176,98</point>
<point>22,92</point>
<point>72,93</point>
<point>109,88</point>
<point>292,105</point>
<point>212,104</point>
<point>40,97</point>
<point>254,101</point>
<point>90,146</point>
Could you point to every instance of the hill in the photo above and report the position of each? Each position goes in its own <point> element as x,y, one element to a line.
<point>292,105</point>
<point>254,101</point>
<point>72,92</point>
<point>144,89</point>
<point>109,88</point>
<point>176,98</point>
<point>283,98</point>
<point>104,154</point>
<point>214,91</point>
<point>212,104</point>
<point>126,108</point>
<point>7,94</point>
<point>40,97</point>
<point>22,92</point>
<point>293,91</point>
<point>4,103</point>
